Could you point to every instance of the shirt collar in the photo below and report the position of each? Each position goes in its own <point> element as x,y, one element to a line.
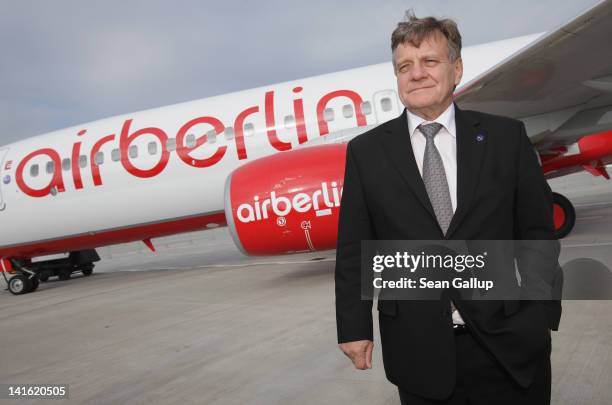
<point>447,119</point>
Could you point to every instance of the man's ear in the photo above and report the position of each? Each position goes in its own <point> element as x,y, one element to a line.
<point>458,71</point>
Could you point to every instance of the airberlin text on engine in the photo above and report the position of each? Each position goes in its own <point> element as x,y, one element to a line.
<point>129,134</point>
<point>282,206</point>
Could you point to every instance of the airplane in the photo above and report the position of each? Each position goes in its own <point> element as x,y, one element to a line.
<point>268,162</point>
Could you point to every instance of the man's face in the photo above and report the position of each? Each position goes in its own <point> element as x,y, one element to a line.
<point>425,75</point>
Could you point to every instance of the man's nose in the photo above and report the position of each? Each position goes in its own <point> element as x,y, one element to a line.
<point>418,72</point>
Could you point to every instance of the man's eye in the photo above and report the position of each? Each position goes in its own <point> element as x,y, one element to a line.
<point>431,62</point>
<point>404,68</point>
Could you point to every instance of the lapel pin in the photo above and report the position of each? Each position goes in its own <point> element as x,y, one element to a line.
<point>480,137</point>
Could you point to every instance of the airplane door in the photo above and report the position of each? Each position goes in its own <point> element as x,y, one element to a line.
<point>6,178</point>
<point>386,105</point>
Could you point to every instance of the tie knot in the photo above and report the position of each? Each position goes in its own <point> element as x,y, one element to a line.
<point>430,130</point>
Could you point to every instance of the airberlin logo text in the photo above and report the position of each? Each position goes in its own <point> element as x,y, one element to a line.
<point>129,134</point>
<point>282,206</point>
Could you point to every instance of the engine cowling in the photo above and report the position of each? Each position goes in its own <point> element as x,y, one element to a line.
<point>288,202</point>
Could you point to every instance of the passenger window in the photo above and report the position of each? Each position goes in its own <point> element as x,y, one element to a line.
<point>385,104</point>
<point>366,108</point>
<point>82,161</point>
<point>152,148</point>
<point>171,144</point>
<point>133,151</point>
<point>191,141</point>
<point>229,133</point>
<point>289,121</point>
<point>328,114</point>
<point>211,136</point>
<point>99,158</point>
<point>115,155</point>
<point>34,170</point>
<point>249,129</point>
<point>347,110</point>
<point>50,167</point>
<point>66,164</point>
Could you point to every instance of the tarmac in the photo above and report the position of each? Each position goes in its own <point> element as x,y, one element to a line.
<point>198,323</point>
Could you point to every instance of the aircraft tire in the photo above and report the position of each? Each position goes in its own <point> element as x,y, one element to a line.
<point>19,284</point>
<point>87,270</point>
<point>64,274</point>
<point>564,214</point>
<point>34,282</point>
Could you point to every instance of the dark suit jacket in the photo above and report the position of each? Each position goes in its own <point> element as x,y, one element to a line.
<point>501,195</point>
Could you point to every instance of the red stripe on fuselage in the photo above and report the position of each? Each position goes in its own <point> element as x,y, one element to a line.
<point>112,237</point>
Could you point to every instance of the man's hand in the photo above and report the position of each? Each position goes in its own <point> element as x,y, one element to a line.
<point>360,353</point>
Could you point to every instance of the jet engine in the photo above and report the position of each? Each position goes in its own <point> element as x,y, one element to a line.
<point>287,202</point>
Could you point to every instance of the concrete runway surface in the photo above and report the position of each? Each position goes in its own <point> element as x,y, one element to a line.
<point>199,323</point>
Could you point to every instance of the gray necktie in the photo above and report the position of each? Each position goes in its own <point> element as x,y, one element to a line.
<point>434,177</point>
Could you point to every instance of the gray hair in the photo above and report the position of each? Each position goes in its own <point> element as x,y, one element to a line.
<point>414,30</point>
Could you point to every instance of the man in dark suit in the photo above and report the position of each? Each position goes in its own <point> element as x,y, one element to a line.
<point>437,172</point>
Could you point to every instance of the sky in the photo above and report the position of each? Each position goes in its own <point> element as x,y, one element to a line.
<point>66,62</point>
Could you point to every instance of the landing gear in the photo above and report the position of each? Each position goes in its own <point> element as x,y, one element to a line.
<point>19,284</point>
<point>34,283</point>
<point>87,269</point>
<point>77,262</point>
<point>64,274</point>
<point>27,275</point>
<point>564,215</point>
<point>24,281</point>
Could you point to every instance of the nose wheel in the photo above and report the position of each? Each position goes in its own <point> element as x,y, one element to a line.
<point>18,284</point>
<point>24,280</point>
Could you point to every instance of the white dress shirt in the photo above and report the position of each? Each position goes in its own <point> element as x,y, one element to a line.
<point>446,143</point>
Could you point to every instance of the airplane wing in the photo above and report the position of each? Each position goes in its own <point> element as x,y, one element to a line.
<point>560,85</point>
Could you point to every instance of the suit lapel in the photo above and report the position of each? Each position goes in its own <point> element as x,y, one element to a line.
<point>398,147</point>
<point>471,146</point>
